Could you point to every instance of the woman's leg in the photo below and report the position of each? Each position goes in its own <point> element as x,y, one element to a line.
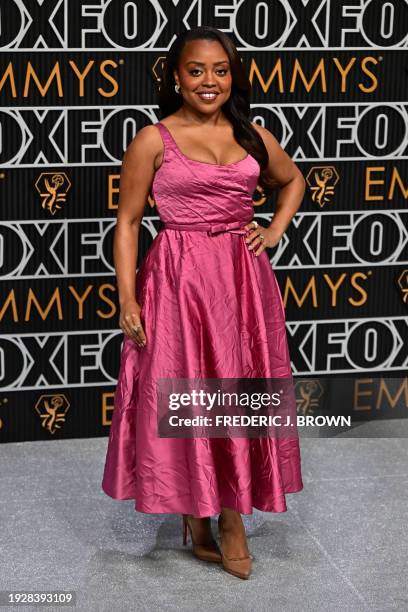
<point>234,536</point>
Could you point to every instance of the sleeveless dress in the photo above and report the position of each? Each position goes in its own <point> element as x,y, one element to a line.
<point>209,308</point>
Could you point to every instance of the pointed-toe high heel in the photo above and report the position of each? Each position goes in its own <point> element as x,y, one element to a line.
<point>203,552</point>
<point>240,567</point>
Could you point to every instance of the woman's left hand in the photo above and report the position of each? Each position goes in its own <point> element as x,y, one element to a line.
<point>254,240</point>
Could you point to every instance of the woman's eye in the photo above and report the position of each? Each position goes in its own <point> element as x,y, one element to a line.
<point>197,70</point>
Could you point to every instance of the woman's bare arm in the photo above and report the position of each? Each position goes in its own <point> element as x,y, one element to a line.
<point>291,192</point>
<point>137,172</point>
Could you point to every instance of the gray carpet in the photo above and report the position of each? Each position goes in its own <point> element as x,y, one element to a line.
<point>342,545</point>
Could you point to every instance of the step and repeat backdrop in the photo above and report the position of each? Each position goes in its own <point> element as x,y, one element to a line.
<point>78,79</point>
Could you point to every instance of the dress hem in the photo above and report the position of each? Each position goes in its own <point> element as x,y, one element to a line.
<point>277,508</point>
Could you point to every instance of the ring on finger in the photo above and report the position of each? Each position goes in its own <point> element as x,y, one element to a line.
<point>261,237</point>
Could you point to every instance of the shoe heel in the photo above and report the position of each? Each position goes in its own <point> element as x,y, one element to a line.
<point>205,553</point>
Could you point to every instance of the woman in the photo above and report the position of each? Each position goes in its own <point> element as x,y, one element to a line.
<point>205,303</point>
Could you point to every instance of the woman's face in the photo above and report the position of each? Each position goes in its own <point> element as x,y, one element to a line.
<point>204,68</point>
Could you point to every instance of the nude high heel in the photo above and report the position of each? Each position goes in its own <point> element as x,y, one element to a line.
<point>237,566</point>
<point>205,553</point>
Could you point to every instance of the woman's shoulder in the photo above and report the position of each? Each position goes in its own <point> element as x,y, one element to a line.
<point>146,134</point>
<point>262,131</point>
<point>266,135</point>
<point>146,141</point>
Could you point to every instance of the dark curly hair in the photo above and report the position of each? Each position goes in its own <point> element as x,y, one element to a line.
<point>236,108</point>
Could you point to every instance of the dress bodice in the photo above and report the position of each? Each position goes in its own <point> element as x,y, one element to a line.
<point>188,191</point>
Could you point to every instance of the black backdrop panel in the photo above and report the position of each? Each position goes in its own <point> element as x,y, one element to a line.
<point>78,80</point>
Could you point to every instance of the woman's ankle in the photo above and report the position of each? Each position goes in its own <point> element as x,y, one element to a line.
<point>230,518</point>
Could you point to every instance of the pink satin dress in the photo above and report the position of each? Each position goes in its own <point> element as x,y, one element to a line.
<point>210,308</point>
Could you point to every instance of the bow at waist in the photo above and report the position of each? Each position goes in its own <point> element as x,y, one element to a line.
<point>235,227</point>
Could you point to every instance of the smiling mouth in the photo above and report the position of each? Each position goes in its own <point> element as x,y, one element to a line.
<point>208,96</point>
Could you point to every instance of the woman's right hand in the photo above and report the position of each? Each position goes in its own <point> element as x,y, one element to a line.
<point>130,323</point>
